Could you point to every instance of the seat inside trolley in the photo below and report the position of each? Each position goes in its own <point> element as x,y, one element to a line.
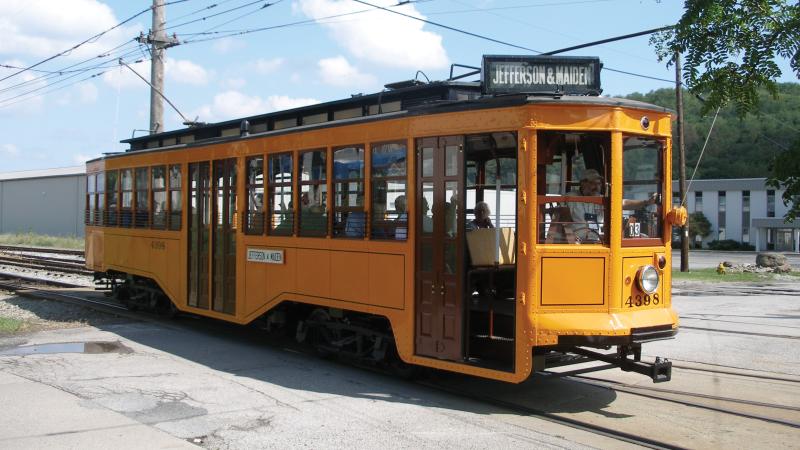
<point>490,232</point>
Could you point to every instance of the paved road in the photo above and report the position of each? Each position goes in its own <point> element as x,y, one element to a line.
<point>699,259</point>
<point>220,388</point>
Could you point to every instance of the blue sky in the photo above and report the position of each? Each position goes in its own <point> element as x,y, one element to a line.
<point>62,114</point>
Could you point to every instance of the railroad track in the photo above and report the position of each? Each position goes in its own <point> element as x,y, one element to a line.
<point>753,410</point>
<point>42,259</point>
<point>59,251</point>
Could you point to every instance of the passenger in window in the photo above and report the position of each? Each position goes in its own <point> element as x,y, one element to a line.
<point>587,219</point>
<point>451,215</point>
<point>427,220</point>
<point>401,230</point>
<point>355,223</point>
<point>482,219</point>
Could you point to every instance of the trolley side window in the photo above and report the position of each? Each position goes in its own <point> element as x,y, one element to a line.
<point>389,219</point>
<point>142,202</point>
<point>112,197</point>
<point>90,199</point>
<point>573,192</point>
<point>175,197</point>
<point>159,197</point>
<point>101,199</point>
<point>126,187</point>
<point>313,194</point>
<point>643,175</point>
<point>348,186</point>
<point>281,221</point>
<point>254,215</point>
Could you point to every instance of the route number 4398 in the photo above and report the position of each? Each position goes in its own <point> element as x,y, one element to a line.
<point>642,300</point>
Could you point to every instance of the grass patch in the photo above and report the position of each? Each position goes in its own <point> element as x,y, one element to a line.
<point>42,240</point>
<point>8,326</point>
<point>712,275</point>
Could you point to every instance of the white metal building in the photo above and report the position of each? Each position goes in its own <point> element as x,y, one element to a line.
<point>745,210</point>
<point>47,201</point>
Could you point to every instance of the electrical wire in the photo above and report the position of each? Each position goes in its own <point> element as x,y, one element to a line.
<point>91,39</point>
<point>201,19</point>
<point>708,136</point>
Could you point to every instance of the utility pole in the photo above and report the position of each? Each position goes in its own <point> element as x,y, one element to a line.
<point>159,42</point>
<point>681,162</point>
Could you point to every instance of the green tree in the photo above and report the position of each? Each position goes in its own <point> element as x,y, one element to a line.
<point>730,48</point>
<point>698,226</point>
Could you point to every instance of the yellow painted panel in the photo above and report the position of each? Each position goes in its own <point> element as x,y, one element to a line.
<point>349,270</point>
<point>266,282</point>
<point>630,266</point>
<point>386,280</point>
<point>572,281</point>
<point>313,272</point>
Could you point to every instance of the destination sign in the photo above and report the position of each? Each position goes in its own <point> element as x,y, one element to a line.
<point>539,74</point>
<point>267,256</point>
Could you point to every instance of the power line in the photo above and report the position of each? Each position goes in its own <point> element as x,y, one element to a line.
<point>213,15</point>
<point>501,42</point>
<point>469,33</point>
<point>91,39</point>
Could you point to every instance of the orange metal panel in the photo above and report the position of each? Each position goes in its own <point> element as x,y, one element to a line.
<point>350,276</point>
<point>572,281</point>
<point>386,280</point>
<point>313,270</point>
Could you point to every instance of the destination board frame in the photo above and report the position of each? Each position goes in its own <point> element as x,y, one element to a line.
<point>531,74</point>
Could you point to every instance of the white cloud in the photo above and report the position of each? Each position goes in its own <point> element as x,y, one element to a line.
<point>80,158</point>
<point>268,66</point>
<point>43,28</point>
<point>9,150</point>
<point>338,72</point>
<point>233,104</point>
<point>122,77</point>
<point>186,72</point>
<point>234,83</point>
<point>21,94</point>
<point>383,38</point>
<point>88,92</point>
<point>228,44</point>
<point>178,70</point>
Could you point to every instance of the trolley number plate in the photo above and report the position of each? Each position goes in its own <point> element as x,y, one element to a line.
<point>642,300</point>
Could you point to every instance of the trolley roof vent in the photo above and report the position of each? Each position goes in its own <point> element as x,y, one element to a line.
<point>403,84</point>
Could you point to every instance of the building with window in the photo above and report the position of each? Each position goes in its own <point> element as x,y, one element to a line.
<point>47,201</point>
<point>744,210</point>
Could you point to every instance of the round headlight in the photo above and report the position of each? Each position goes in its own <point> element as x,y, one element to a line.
<point>647,279</point>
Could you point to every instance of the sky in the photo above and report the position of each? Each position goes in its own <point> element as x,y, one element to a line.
<point>237,58</point>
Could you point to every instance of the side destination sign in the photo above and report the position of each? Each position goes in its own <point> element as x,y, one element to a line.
<point>540,74</point>
<point>265,256</point>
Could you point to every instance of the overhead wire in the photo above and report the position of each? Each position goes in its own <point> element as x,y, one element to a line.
<point>78,45</point>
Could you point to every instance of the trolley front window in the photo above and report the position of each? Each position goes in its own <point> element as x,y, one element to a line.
<point>643,180</point>
<point>572,174</point>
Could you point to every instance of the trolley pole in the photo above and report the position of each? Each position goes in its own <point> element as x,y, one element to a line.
<point>159,42</point>
<point>681,162</point>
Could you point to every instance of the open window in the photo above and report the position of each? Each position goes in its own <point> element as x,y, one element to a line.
<point>572,184</point>
<point>642,185</point>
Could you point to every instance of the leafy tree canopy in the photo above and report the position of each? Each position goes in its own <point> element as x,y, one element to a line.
<point>730,48</point>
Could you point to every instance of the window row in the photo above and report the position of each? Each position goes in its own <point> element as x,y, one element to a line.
<point>292,199</point>
<point>142,197</point>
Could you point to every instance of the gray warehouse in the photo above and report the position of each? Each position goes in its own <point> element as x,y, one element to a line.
<point>47,201</point>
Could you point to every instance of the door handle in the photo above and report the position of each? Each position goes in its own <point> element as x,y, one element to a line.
<point>442,289</point>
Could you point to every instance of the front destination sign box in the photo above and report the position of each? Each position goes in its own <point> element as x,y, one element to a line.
<point>541,74</point>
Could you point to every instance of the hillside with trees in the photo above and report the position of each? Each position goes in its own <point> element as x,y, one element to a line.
<point>738,147</point>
